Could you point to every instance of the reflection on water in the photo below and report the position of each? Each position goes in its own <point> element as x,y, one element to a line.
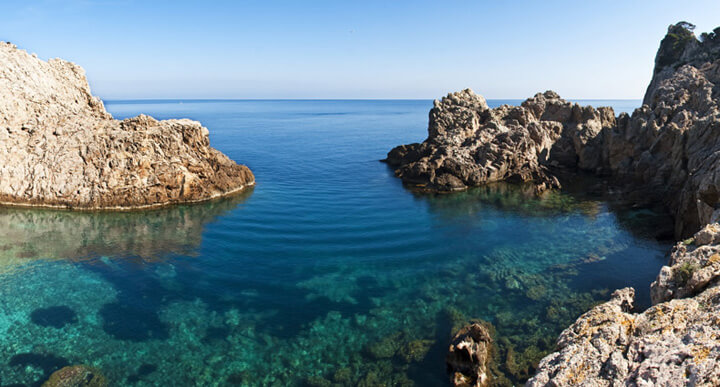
<point>330,273</point>
<point>30,234</point>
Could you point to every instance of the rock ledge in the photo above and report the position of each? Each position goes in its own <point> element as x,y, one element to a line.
<point>59,147</point>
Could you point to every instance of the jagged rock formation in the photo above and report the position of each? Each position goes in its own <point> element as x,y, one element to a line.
<point>469,356</point>
<point>60,148</point>
<point>676,342</point>
<point>670,147</point>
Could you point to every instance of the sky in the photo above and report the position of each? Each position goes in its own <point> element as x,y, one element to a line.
<point>353,49</point>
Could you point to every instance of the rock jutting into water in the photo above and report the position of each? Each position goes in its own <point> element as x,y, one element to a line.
<point>60,148</point>
<point>673,343</point>
<point>668,149</point>
<point>470,355</point>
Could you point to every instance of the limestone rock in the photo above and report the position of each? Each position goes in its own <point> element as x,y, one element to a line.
<point>469,356</point>
<point>59,147</point>
<point>469,144</point>
<point>673,343</point>
<point>77,376</point>
<point>693,266</point>
<point>669,148</point>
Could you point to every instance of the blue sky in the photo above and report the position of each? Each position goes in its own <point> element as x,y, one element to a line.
<point>363,49</point>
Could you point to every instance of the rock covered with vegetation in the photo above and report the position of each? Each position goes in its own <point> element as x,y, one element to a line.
<point>60,148</point>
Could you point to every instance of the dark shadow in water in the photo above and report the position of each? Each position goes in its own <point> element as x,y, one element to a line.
<point>47,363</point>
<point>132,323</point>
<point>54,316</point>
<point>144,370</point>
<point>584,194</point>
<point>140,236</point>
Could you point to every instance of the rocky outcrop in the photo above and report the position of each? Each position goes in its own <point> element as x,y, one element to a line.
<point>672,145</point>
<point>676,342</point>
<point>470,144</point>
<point>469,356</point>
<point>60,148</point>
<point>669,148</point>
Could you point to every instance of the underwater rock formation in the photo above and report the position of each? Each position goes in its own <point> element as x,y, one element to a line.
<point>669,147</point>
<point>60,148</point>
<point>77,376</point>
<point>469,355</point>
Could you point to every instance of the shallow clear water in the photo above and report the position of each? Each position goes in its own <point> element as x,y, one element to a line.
<point>329,271</point>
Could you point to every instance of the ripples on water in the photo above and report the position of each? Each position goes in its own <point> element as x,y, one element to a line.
<point>329,271</point>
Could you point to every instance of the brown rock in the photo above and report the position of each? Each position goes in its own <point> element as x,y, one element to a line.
<point>77,376</point>
<point>469,356</point>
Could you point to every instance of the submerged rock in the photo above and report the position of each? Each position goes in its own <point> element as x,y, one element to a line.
<point>469,356</point>
<point>77,376</point>
<point>60,148</point>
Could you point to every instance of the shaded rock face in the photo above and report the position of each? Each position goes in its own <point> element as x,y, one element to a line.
<point>59,147</point>
<point>673,343</point>
<point>668,148</point>
<point>469,356</point>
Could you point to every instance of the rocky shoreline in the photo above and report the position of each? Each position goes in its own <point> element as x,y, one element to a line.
<point>60,148</point>
<point>668,150</point>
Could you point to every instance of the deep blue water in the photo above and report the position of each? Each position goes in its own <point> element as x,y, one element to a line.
<point>328,271</point>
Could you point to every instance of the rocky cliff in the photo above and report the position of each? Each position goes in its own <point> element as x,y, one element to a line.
<point>60,148</point>
<point>667,150</point>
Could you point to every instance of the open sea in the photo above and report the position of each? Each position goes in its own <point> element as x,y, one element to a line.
<point>328,272</point>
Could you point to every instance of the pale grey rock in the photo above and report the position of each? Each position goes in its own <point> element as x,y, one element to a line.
<point>669,148</point>
<point>469,144</point>
<point>60,148</point>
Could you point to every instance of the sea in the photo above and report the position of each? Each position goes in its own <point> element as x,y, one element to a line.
<point>328,272</point>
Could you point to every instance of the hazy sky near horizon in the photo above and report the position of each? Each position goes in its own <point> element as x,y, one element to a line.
<point>343,49</point>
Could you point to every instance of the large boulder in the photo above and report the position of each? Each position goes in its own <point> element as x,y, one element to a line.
<point>59,147</point>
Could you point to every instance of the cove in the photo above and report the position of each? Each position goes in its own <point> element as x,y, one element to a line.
<point>329,271</point>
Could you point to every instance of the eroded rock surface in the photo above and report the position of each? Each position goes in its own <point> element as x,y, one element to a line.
<point>470,144</point>
<point>676,342</point>
<point>59,147</point>
<point>469,356</point>
<point>669,148</point>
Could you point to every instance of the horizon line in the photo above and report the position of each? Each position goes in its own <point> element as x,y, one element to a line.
<point>343,99</point>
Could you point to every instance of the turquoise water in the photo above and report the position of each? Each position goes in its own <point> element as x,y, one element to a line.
<point>329,271</point>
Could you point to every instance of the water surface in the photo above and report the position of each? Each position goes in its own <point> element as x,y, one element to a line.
<point>328,271</point>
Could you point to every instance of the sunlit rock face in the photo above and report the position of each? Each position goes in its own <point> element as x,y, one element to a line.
<point>673,343</point>
<point>59,147</point>
<point>668,148</point>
